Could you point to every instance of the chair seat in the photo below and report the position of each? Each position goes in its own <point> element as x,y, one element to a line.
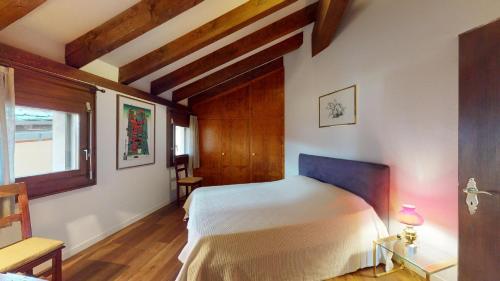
<point>25,251</point>
<point>190,180</point>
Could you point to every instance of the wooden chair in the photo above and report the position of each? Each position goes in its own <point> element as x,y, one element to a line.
<point>24,255</point>
<point>181,165</point>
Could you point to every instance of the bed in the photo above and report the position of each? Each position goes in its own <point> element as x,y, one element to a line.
<point>313,226</point>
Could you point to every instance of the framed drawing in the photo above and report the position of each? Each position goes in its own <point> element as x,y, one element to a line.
<point>135,132</point>
<point>338,108</point>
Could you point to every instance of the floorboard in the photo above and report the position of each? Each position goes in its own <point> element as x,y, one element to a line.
<point>147,250</point>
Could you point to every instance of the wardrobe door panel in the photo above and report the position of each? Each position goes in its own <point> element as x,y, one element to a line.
<point>242,132</point>
<point>267,149</point>
<point>236,103</point>
<point>267,96</point>
<point>267,127</point>
<point>210,109</point>
<point>235,151</point>
<point>210,151</point>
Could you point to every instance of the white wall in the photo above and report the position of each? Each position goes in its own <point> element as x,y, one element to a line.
<point>82,217</point>
<point>103,69</point>
<point>403,55</point>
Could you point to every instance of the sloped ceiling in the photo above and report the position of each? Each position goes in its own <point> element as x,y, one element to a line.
<point>47,29</point>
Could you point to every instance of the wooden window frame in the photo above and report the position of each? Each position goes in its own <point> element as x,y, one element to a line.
<point>170,140</point>
<point>174,118</point>
<point>57,182</point>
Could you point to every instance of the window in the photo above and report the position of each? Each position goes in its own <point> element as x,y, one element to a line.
<point>47,141</point>
<point>180,140</point>
<point>55,133</point>
<point>176,134</point>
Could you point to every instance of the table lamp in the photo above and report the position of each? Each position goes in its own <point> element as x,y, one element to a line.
<point>409,217</point>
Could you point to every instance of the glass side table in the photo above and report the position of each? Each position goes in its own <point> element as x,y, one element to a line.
<point>424,257</point>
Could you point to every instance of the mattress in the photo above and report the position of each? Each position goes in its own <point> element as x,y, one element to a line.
<point>292,229</point>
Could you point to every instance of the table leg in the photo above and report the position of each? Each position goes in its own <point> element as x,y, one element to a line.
<point>57,266</point>
<point>427,277</point>
<point>375,274</point>
<point>374,259</point>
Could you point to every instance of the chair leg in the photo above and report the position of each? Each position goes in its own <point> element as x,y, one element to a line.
<point>57,266</point>
<point>178,195</point>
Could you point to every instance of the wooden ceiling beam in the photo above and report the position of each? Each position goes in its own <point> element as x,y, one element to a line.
<point>200,37</point>
<point>12,10</point>
<point>238,81</point>
<point>328,18</point>
<point>232,51</point>
<point>16,57</point>
<point>125,27</point>
<point>238,68</point>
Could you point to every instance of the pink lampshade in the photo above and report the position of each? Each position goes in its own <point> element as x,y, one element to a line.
<point>409,216</point>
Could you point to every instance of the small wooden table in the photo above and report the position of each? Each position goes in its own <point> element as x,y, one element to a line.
<point>17,277</point>
<point>424,257</point>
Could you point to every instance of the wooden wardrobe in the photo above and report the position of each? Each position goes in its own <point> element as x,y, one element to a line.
<point>241,131</point>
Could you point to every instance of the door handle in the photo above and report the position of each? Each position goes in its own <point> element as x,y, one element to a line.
<point>472,191</point>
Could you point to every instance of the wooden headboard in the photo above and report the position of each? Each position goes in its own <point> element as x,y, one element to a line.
<point>369,181</point>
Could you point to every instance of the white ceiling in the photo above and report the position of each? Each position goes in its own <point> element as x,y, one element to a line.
<point>47,29</point>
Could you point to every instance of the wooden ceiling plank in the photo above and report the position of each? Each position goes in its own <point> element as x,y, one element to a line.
<point>123,28</point>
<point>12,56</point>
<point>232,51</point>
<point>12,10</point>
<point>238,81</point>
<point>328,18</point>
<point>200,37</point>
<point>238,68</point>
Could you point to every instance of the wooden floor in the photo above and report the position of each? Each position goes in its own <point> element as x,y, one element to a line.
<point>148,250</point>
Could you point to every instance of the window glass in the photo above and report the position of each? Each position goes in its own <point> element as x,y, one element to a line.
<point>180,140</point>
<point>47,141</point>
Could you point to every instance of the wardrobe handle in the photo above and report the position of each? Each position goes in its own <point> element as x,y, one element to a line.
<point>253,154</point>
<point>223,154</point>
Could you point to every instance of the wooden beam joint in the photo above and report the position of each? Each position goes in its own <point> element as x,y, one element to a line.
<point>328,18</point>
<point>200,37</point>
<point>12,10</point>
<point>123,28</point>
<point>12,56</point>
<point>236,49</point>
<point>238,68</point>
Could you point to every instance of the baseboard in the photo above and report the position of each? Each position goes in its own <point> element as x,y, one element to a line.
<point>68,252</point>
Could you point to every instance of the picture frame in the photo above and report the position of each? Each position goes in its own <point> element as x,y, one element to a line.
<point>135,132</point>
<point>338,107</point>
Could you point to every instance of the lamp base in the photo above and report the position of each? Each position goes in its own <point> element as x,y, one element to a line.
<point>410,235</point>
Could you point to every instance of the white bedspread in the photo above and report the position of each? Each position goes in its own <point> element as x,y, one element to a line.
<point>292,229</point>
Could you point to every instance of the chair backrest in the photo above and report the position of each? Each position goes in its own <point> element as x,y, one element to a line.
<point>181,165</point>
<point>19,192</point>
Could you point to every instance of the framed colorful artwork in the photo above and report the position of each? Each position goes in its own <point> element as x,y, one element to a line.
<point>135,132</point>
<point>338,108</point>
